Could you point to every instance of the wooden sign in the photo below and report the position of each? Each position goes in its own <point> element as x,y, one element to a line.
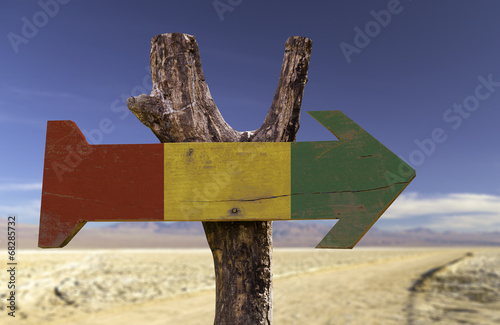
<point>230,181</point>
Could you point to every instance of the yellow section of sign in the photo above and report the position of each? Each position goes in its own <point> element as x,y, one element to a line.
<point>227,181</point>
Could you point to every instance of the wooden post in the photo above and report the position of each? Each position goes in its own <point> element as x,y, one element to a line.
<point>181,109</point>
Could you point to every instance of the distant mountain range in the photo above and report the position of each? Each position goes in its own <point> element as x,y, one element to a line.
<point>285,234</point>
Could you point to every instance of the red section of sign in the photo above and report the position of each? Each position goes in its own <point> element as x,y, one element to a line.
<point>83,182</point>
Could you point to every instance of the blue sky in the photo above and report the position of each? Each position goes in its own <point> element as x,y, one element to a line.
<point>423,77</point>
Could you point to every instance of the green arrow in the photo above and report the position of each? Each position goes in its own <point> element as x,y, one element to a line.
<point>345,179</point>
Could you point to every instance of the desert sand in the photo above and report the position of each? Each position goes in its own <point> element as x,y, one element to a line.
<point>161,286</point>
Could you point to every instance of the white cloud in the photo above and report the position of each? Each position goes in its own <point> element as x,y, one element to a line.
<point>414,204</point>
<point>25,212</point>
<point>467,223</point>
<point>454,211</point>
<point>20,186</point>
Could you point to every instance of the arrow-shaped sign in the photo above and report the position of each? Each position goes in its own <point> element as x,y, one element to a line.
<point>351,179</point>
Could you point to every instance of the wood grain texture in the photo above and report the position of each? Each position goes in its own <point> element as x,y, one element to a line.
<point>95,183</point>
<point>181,109</point>
<point>227,181</point>
<point>344,179</point>
<point>221,181</point>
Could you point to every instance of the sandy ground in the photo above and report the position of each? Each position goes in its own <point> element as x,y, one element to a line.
<point>360,286</point>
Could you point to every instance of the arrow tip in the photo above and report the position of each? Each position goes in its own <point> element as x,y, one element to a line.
<point>56,233</point>
<point>64,148</point>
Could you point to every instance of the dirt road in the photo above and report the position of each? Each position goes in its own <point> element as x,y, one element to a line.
<point>362,293</point>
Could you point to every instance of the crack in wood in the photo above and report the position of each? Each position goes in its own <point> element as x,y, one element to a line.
<point>312,193</point>
<point>70,197</point>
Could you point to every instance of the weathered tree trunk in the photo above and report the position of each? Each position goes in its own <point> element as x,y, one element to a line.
<point>181,109</point>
